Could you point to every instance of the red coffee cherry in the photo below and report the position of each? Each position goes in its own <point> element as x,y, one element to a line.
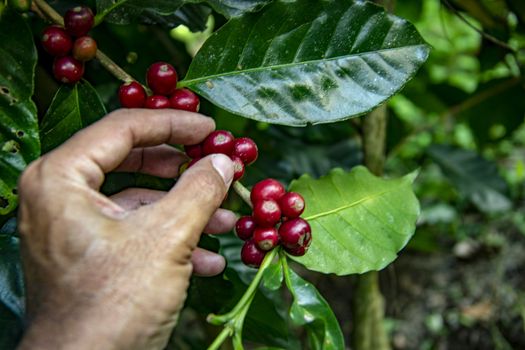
<point>266,213</point>
<point>132,95</point>
<point>157,102</point>
<point>246,149</point>
<point>162,78</point>
<point>185,99</point>
<point>79,20</point>
<point>56,41</point>
<point>244,227</point>
<point>251,255</point>
<point>299,251</point>
<point>85,48</point>
<point>295,233</point>
<point>218,141</point>
<point>266,238</point>
<point>267,189</point>
<point>238,168</point>
<point>193,151</point>
<point>292,205</point>
<point>67,69</point>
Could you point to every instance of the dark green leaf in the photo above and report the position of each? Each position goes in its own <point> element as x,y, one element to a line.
<point>307,61</point>
<point>73,108</point>
<point>497,103</point>
<point>311,310</point>
<point>474,176</point>
<point>359,221</point>
<point>164,12</point>
<point>19,143</point>
<point>233,8</point>
<point>11,288</point>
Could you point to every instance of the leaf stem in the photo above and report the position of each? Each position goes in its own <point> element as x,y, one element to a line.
<point>44,8</point>
<point>243,192</point>
<point>248,295</point>
<point>225,333</point>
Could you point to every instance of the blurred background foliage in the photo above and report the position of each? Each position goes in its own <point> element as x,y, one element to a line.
<point>460,282</point>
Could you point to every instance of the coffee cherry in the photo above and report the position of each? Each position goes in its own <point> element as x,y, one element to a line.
<point>85,48</point>
<point>132,95</point>
<point>185,99</point>
<point>251,255</point>
<point>193,151</point>
<point>292,205</point>
<point>157,102</point>
<point>56,41</point>
<point>193,161</point>
<point>162,78</point>
<point>266,213</point>
<point>266,238</point>
<point>267,189</point>
<point>67,69</point>
<point>218,141</point>
<point>246,149</point>
<point>244,227</point>
<point>79,20</point>
<point>295,233</point>
<point>299,251</point>
<point>238,168</point>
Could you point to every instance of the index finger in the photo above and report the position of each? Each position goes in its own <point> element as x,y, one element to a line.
<point>101,147</point>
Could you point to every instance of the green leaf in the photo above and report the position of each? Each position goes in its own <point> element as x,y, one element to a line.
<point>234,8</point>
<point>73,108</point>
<point>306,61</point>
<point>19,143</point>
<point>474,176</point>
<point>273,276</point>
<point>11,288</point>
<point>164,12</point>
<point>359,221</point>
<point>311,310</point>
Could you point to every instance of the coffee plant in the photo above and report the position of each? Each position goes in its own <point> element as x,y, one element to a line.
<point>64,65</point>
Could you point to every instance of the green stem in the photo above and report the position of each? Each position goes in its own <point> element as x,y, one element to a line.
<point>112,67</point>
<point>226,332</point>
<point>248,295</point>
<point>243,192</point>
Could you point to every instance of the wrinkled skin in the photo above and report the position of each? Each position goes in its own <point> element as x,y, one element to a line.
<point>112,273</point>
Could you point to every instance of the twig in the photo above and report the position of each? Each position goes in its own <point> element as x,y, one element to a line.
<point>487,36</point>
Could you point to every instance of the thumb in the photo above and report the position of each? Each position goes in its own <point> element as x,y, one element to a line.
<point>189,205</point>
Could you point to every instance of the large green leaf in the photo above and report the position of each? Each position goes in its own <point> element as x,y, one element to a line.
<point>11,288</point>
<point>311,310</point>
<point>73,108</point>
<point>474,176</point>
<point>19,143</point>
<point>307,61</point>
<point>359,221</point>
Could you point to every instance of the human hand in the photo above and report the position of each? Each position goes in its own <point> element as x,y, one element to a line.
<point>111,272</point>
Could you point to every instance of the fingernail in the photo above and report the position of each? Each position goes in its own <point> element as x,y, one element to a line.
<point>224,167</point>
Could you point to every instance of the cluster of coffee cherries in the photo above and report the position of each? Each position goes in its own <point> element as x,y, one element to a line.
<point>242,151</point>
<point>274,221</point>
<point>162,80</point>
<point>70,45</point>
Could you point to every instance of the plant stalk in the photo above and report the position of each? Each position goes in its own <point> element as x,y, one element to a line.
<point>243,192</point>
<point>50,13</point>
<point>368,304</point>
